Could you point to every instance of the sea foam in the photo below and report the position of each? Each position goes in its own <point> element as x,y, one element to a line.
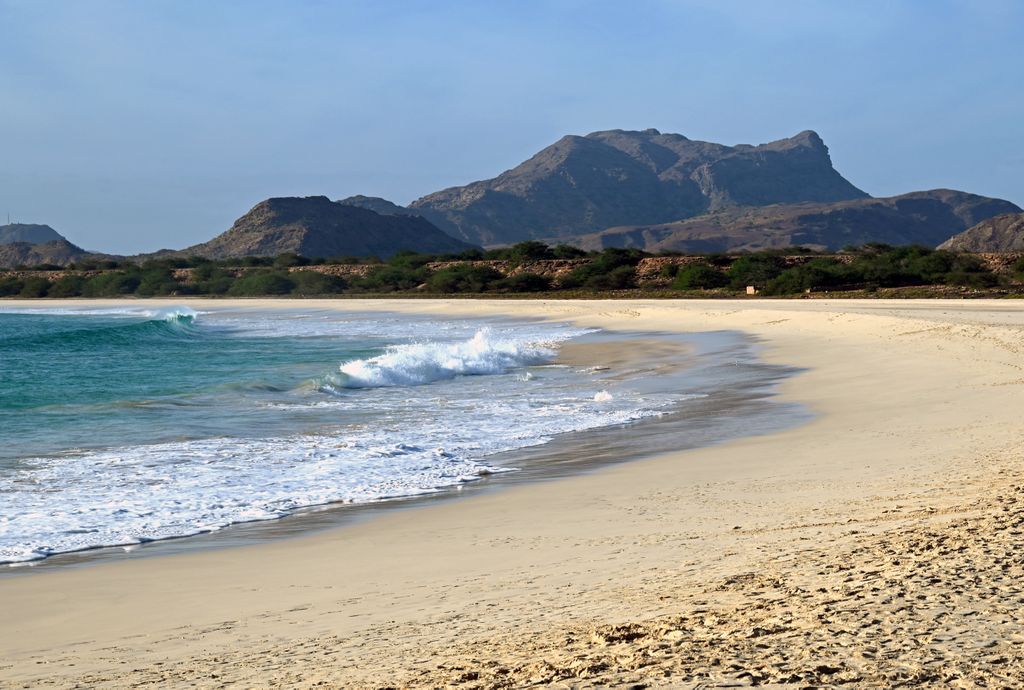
<point>420,363</point>
<point>387,436</point>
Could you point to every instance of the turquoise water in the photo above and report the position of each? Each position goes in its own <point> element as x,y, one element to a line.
<point>124,426</point>
<point>101,380</point>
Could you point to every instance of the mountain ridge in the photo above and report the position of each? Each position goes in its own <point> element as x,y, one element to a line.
<point>617,177</point>
<point>925,218</point>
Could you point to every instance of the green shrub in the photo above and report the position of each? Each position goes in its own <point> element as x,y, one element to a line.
<point>463,278</point>
<point>565,251</point>
<point>973,279</point>
<point>289,259</point>
<point>214,286</point>
<point>210,279</point>
<point>410,260</point>
<point>68,286</point>
<point>313,283</point>
<point>620,278</point>
<point>818,273</point>
<point>531,250</point>
<point>111,284</point>
<point>597,274</point>
<point>392,279</point>
<point>10,286</point>
<point>255,261</point>
<point>906,266</point>
<point>157,281</point>
<point>669,270</point>
<point>262,282</point>
<point>523,282</point>
<point>699,277</point>
<point>755,269</point>
<point>34,286</point>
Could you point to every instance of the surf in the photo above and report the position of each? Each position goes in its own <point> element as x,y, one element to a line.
<point>417,364</point>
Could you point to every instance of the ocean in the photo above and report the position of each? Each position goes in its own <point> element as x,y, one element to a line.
<point>125,426</point>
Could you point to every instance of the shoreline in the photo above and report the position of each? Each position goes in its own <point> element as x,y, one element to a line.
<point>729,395</point>
<point>572,578</point>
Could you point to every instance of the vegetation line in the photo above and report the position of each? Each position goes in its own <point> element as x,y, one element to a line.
<point>536,268</point>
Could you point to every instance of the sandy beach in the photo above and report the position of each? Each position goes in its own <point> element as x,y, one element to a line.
<point>877,545</point>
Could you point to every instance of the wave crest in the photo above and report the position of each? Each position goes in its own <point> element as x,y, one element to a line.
<point>172,314</point>
<point>421,363</point>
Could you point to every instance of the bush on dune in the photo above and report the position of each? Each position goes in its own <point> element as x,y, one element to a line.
<point>10,286</point>
<point>392,279</point>
<point>68,286</point>
<point>698,277</point>
<point>756,270</point>
<point>311,283</point>
<point>158,281</point>
<point>463,278</point>
<point>35,286</point>
<point>262,282</point>
<point>112,284</point>
<point>523,282</point>
<point>612,269</point>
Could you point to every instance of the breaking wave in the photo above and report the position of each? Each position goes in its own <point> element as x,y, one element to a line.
<point>421,363</point>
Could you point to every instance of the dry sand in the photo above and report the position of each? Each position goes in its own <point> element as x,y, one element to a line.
<point>880,544</point>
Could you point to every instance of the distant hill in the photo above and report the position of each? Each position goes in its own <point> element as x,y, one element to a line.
<point>1003,233</point>
<point>925,218</point>
<point>58,252</point>
<point>28,232</point>
<point>605,179</point>
<point>315,226</point>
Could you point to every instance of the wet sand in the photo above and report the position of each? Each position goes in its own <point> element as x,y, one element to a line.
<point>877,544</point>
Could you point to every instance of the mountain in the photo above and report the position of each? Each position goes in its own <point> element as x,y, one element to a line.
<point>378,205</point>
<point>925,218</point>
<point>58,252</point>
<point>315,226</point>
<point>586,184</point>
<point>1003,233</point>
<point>29,233</point>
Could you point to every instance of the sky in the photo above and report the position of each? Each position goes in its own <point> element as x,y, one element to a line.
<point>131,126</point>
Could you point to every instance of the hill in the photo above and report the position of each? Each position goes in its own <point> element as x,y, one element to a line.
<point>585,184</point>
<point>925,218</point>
<point>316,226</point>
<point>29,233</point>
<point>1003,233</point>
<point>58,252</point>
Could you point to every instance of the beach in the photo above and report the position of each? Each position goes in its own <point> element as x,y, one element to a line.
<point>876,544</point>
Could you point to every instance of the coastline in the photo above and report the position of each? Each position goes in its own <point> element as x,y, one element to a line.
<point>909,397</point>
<point>723,392</point>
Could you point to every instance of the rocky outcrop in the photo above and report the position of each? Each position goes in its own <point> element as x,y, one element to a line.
<point>1003,233</point>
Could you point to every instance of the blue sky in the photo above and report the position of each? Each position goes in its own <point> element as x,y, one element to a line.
<point>131,126</point>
